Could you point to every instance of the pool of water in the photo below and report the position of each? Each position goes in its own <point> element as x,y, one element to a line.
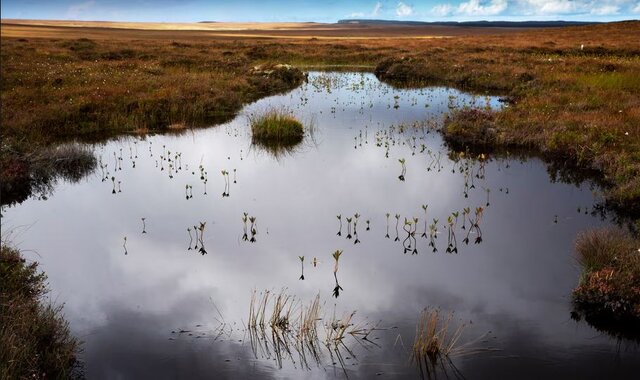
<point>148,302</point>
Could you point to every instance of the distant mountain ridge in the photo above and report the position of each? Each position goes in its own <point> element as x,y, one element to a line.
<point>488,24</point>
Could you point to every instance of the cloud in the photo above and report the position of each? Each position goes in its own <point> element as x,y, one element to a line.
<point>403,10</point>
<point>484,8</point>
<point>605,10</point>
<point>374,12</point>
<point>376,9</point>
<point>577,7</point>
<point>442,10</point>
<point>77,10</point>
<point>551,6</point>
<point>537,8</point>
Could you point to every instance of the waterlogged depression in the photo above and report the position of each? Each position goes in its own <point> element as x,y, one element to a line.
<point>150,257</point>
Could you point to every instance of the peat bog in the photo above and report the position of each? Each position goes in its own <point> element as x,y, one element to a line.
<point>201,251</point>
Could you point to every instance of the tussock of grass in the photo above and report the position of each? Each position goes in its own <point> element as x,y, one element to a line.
<point>435,336</point>
<point>470,127</point>
<point>276,127</point>
<point>35,339</point>
<point>279,326</point>
<point>610,284</point>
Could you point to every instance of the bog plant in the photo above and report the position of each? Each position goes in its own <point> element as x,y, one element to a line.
<point>276,126</point>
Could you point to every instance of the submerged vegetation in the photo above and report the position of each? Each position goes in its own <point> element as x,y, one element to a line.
<point>609,290</point>
<point>35,339</point>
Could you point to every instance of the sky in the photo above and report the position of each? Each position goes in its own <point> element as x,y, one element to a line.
<point>320,11</point>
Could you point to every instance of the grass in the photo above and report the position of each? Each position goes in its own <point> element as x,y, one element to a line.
<point>435,337</point>
<point>569,103</point>
<point>610,285</point>
<point>35,339</point>
<point>35,172</point>
<point>280,327</point>
<point>276,127</point>
<point>470,127</point>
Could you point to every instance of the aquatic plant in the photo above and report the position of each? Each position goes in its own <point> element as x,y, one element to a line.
<point>276,126</point>
<point>452,244</point>
<point>336,256</point>
<point>437,340</point>
<point>465,213</point>
<point>387,234</point>
<point>245,236</point>
<point>280,327</point>
<point>424,208</point>
<point>253,229</point>
<point>355,228</point>
<point>225,175</point>
<point>433,234</point>
<point>302,264</point>
<point>200,228</point>
<point>404,169</point>
<point>410,243</point>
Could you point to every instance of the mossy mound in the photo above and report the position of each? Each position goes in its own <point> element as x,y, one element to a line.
<point>470,127</point>
<point>609,290</point>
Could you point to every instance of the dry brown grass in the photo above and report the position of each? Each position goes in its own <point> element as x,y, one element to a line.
<point>610,284</point>
<point>36,341</point>
<point>568,102</point>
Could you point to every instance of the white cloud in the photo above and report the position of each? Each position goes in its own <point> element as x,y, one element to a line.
<point>77,10</point>
<point>403,10</point>
<point>484,8</point>
<point>605,10</point>
<point>576,7</point>
<point>529,8</point>
<point>442,10</point>
<point>376,9</point>
<point>551,6</point>
<point>374,12</point>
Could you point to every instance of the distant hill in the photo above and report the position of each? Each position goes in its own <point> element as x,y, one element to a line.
<point>487,24</point>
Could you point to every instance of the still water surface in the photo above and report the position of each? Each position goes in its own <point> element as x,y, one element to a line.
<point>149,307</point>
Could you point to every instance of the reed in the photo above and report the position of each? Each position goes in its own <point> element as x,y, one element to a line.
<point>436,336</point>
